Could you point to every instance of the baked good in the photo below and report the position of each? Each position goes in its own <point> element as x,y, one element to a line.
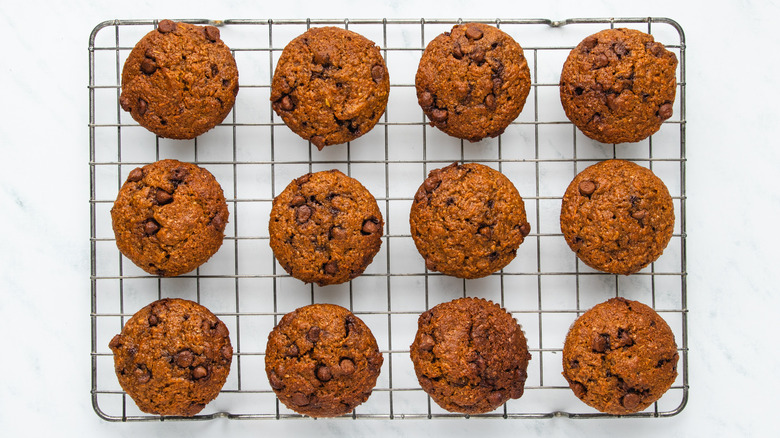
<point>325,228</point>
<point>180,80</point>
<point>169,217</point>
<point>617,216</point>
<point>470,355</point>
<point>172,357</point>
<point>620,357</point>
<point>618,85</point>
<point>330,85</point>
<point>467,220</point>
<point>472,81</point>
<point>322,360</point>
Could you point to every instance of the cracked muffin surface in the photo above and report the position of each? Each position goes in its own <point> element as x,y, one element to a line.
<point>472,81</point>
<point>172,357</point>
<point>620,356</point>
<point>322,360</point>
<point>330,86</point>
<point>617,216</point>
<point>618,85</point>
<point>325,228</point>
<point>180,80</point>
<point>470,355</point>
<point>169,217</point>
<point>467,220</point>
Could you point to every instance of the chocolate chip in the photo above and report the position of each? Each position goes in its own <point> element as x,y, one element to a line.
<point>331,268</point>
<point>478,55</point>
<point>337,233</point>
<point>314,334</point>
<point>297,201</point>
<point>378,73</point>
<point>665,111</point>
<point>151,227</point>
<point>657,49</point>
<point>116,342</point>
<point>426,342</point>
<point>135,175</point>
<point>495,398</point>
<point>142,374</point>
<point>124,102</point>
<point>370,226</point>
<point>303,213</point>
<point>600,343</point>
<point>318,141</point>
<point>148,66</point>
<point>212,33</point>
<point>639,215</point>
<point>516,392</point>
<point>578,389</point>
<point>275,381</point>
<point>439,115</point>
<point>286,104</point>
<point>162,197</point>
<point>497,84</point>
<point>184,358</point>
<point>227,352</point>
<point>490,101</point>
<point>600,61</point>
<point>425,100</point>
<point>142,107</point>
<point>430,265</point>
<point>457,52</point>
<point>525,229</point>
<point>430,184</point>
<point>292,351</point>
<point>153,320</point>
<point>218,222</point>
<point>588,44</point>
<point>199,372</point>
<point>587,188</point>
<point>474,32</point>
<point>631,401</point>
<point>323,373</point>
<point>620,49</point>
<point>166,26</point>
<point>347,366</point>
<point>300,399</point>
<point>321,58</point>
<point>624,338</point>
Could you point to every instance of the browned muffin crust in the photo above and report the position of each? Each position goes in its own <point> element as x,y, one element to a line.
<point>618,85</point>
<point>169,217</point>
<point>472,81</point>
<point>468,220</point>
<point>172,357</point>
<point>322,360</point>
<point>620,357</point>
<point>330,86</point>
<point>180,80</point>
<point>617,216</point>
<point>325,228</point>
<point>470,355</point>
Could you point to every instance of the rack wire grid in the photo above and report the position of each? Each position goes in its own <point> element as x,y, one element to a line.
<point>254,156</point>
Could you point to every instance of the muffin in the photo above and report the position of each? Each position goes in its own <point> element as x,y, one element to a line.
<point>322,360</point>
<point>472,81</point>
<point>470,355</point>
<point>467,220</point>
<point>180,80</point>
<point>169,217</point>
<point>620,357</point>
<point>172,357</point>
<point>325,228</point>
<point>330,86</point>
<point>618,85</point>
<point>617,217</point>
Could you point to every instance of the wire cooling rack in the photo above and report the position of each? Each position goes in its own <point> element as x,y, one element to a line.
<point>254,156</point>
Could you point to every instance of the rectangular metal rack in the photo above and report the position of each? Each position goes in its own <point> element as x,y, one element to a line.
<point>254,156</point>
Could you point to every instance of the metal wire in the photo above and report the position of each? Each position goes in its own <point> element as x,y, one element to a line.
<point>261,292</point>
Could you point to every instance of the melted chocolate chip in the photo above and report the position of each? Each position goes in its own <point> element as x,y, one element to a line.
<point>135,175</point>
<point>425,100</point>
<point>377,73</point>
<point>166,26</point>
<point>426,342</point>
<point>212,33</point>
<point>474,32</point>
<point>314,334</point>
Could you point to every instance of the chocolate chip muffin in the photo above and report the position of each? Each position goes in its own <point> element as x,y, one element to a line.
<point>618,85</point>
<point>169,217</point>
<point>620,357</point>
<point>330,86</point>
<point>470,355</point>
<point>325,228</point>
<point>172,357</point>
<point>617,216</point>
<point>472,81</point>
<point>468,220</point>
<point>180,80</point>
<point>322,360</point>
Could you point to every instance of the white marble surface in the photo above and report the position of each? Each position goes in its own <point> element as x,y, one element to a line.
<point>733,203</point>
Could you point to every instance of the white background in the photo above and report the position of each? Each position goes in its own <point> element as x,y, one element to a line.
<point>732,150</point>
